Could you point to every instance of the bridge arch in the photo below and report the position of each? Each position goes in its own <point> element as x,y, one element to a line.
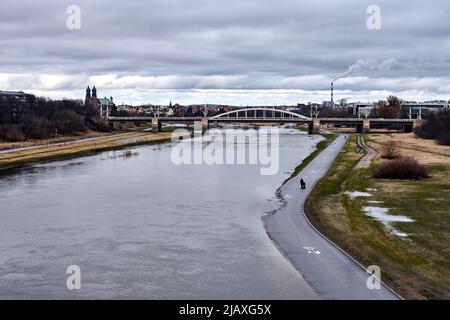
<point>255,110</point>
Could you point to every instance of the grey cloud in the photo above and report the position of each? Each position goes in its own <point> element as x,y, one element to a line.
<point>253,44</point>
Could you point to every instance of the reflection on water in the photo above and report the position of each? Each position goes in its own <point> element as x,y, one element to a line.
<point>142,227</point>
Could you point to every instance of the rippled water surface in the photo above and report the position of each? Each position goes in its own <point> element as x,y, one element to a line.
<point>142,227</point>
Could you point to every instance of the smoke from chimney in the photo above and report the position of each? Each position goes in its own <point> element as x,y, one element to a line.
<point>364,65</point>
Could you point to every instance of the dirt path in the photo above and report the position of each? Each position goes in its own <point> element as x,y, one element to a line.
<point>370,154</point>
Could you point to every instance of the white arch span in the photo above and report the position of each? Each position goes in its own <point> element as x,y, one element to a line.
<point>246,110</point>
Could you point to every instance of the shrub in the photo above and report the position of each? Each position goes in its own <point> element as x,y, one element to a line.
<point>102,125</point>
<point>390,151</point>
<point>12,133</point>
<point>37,128</point>
<point>123,126</point>
<point>67,121</point>
<point>404,168</point>
<point>444,138</point>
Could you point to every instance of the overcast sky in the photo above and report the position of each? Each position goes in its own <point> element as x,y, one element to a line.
<point>234,51</point>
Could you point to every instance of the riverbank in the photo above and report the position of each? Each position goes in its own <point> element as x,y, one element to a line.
<point>324,266</point>
<point>78,148</point>
<point>6,146</point>
<point>320,146</point>
<point>413,255</point>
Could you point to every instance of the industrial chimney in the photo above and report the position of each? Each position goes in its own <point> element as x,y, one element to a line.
<point>332,98</point>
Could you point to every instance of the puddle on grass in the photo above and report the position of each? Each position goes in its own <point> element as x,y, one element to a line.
<point>356,194</point>
<point>382,215</point>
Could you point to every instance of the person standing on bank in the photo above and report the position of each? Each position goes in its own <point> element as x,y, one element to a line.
<point>302,183</point>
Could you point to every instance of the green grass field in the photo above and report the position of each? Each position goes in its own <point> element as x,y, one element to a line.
<point>416,266</point>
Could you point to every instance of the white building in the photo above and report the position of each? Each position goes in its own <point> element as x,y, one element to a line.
<point>361,109</point>
<point>416,108</point>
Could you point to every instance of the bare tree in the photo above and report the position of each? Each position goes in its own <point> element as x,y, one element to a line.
<point>390,109</point>
<point>390,151</point>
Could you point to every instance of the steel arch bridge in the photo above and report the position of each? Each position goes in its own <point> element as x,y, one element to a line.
<point>253,113</point>
<point>274,115</point>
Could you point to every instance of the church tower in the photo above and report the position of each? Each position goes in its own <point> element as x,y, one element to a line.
<point>94,92</point>
<point>88,96</point>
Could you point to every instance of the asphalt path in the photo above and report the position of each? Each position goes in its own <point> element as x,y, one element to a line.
<point>329,271</point>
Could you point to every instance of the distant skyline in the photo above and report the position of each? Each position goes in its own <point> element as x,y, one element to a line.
<point>251,52</point>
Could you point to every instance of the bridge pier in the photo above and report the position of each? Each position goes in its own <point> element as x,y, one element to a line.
<point>314,127</point>
<point>200,127</point>
<point>417,123</point>
<point>156,124</point>
<point>410,127</point>
<point>205,124</point>
<point>364,127</point>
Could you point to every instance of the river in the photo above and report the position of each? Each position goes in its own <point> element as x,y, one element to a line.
<point>141,227</point>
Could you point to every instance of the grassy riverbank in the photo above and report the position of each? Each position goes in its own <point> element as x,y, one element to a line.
<point>80,148</point>
<point>320,146</point>
<point>417,266</point>
<point>5,145</point>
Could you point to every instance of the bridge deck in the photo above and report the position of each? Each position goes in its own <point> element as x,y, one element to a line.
<point>353,121</point>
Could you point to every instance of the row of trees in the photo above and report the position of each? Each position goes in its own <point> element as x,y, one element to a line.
<point>39,118</point>
<point>436,126</point>
<point>392,108</point>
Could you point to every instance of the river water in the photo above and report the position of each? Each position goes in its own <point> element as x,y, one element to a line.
<point>144,228</point>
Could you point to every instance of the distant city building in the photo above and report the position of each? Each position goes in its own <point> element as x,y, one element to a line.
<point>124,107</point>
<point>327,104</point>
<point>343,102</point>
<point>415,109</point>
<point>15,104</point>
<point>103,105</point>
<point>360,109</point>
<point>18,95</point>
